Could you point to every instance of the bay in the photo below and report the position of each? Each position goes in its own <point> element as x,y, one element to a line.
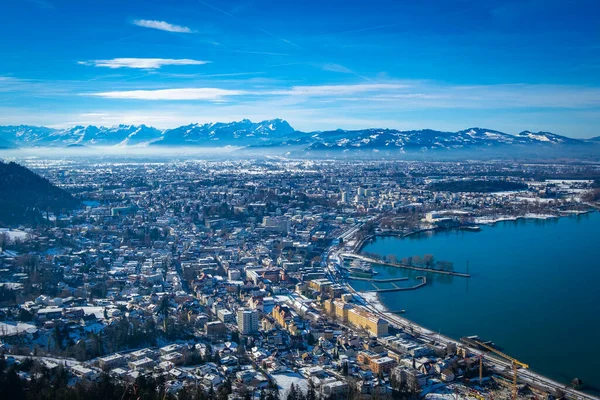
<point>534,290</point>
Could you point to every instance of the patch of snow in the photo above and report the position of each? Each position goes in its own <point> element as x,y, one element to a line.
<point>97,311</point>
<point>493,220</point>
<point>284,382</point>
<point>15,234</point>
<point>14,328</point>
<point>540,138</point>
<point>372,299</point>
<point>535,199</point>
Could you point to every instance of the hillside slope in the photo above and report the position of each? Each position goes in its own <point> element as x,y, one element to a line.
<point>24,195</point>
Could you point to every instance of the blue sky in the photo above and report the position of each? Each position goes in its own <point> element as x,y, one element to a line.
<point>405,64</point>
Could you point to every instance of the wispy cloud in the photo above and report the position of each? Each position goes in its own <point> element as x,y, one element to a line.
<point>223,75</point>
<point>340,90</point>
<point>213,94</point>
<point>336,68</point>
<point>162,26</point>
<point>266,32</point>
<point>333,91</point>
<point>141,63</point>
<point>266,53</point>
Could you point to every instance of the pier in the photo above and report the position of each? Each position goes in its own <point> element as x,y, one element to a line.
<point>400,288</point>
<point>404,266</point>
<point>378,280</point>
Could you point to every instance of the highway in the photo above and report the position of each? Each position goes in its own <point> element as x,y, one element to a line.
<point>426,336</point>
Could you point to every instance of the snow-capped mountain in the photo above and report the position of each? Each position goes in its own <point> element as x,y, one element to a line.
<point>29,136</point>
<point>427,139</point>
<point>547,137</point>
<point>278,134</point>
<point>242,133</point>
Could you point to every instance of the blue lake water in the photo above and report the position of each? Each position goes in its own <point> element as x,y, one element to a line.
<point>534,290</point>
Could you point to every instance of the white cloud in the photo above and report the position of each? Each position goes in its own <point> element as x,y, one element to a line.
<point>214,94</point>
<point>162,26</point>
<point>397,95</point>
<point>141,63</point>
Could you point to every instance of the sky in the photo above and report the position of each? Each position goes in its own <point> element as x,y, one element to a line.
<point>405,64</point>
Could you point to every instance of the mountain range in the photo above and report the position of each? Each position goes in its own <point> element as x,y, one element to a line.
<point>278,134</point>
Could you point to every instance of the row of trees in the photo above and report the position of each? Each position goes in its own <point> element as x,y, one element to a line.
<point>428,261</point>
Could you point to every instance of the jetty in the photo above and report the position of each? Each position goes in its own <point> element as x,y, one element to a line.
<point>354,278</point>
<point>400,288</point>
<point>353,256</point>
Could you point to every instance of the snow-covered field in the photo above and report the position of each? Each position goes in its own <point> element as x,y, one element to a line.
<point>535,199</point>
<point>12,328</point>
<point>15,234</point>
<point>508,193</point>
<point>493,220</point>
<point>284,382</point>
<point>97,311</point>
<point>60,361</point>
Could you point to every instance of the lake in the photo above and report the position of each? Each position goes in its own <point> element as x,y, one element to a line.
<point>534,290</point>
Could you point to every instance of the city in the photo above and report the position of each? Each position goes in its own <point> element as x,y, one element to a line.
<point>234,278</point>
<point>299,200</point>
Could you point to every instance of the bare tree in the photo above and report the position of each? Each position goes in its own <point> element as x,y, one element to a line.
<point>417,261</point>
<point>428,260</point>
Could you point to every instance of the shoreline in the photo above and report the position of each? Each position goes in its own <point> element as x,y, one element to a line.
<point>528,376</point>
<point>478,221</point>
<point>374,301</point>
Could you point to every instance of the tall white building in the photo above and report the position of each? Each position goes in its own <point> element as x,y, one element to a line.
<point>344,197</point>
<point>247,321</point>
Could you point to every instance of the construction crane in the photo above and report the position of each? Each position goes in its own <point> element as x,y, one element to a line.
<point>515,363</point>
<point>480,368</point>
